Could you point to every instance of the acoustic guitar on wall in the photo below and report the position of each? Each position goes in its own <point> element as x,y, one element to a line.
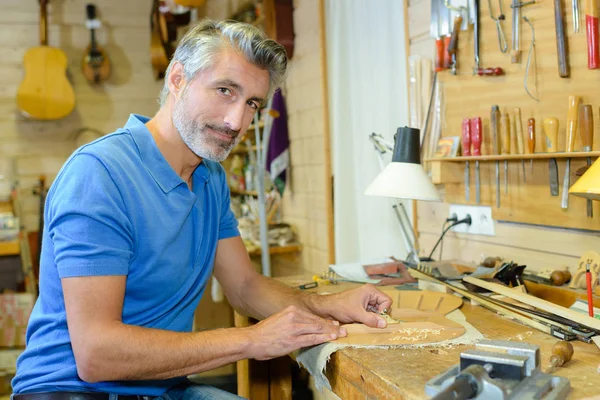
<point>45,92</point>
<point>95,64</point>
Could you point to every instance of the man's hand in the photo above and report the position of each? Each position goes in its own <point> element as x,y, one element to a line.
<point>290,330</point>
<point>361,304</point>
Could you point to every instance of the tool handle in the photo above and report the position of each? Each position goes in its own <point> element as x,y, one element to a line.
<point>531,135</point>
<point>551,133</point>
<point>591,24</point>
<point>452,47</point>
<point>495,123</point>
<point>505,133</point>
<point>572,122</point>
<point>519,131</point>
<point>439,54</point>
<point>590,297</point>
<point>561,40</point>
<point>489,71</point>
<point>586,126</point>
<point>476,135</point>
<point>466,137</point>
<point>562,352</point>
<point>447,55</point>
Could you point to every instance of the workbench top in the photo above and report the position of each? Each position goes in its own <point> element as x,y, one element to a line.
<point>402,373</point>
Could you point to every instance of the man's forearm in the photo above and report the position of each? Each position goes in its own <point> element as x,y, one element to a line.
<point>264,296</point>
<point>126,352</point>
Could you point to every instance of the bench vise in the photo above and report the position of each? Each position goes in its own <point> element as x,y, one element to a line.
<point>498,370</point>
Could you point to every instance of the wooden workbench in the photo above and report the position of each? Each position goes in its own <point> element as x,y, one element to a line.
<point>402,373</point>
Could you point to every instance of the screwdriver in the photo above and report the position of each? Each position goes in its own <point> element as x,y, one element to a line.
<point>505,146</point>
<point>551,134</point>
<point>572,121</point>
<point>531,139</point>
<point>586,129</point>
<point>520,139</point>
<point>466,151</point>
<point>496,146</point>
<point>476,139</point>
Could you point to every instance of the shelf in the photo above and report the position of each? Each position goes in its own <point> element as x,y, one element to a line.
<point>10,248</point>
<point>576,154</point>
<point>292,248</point>
<point>235,192</point>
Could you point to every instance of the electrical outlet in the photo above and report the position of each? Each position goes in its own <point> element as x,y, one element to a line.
<point>481,219</point>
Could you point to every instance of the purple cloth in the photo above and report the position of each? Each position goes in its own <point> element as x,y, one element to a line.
<point>278,153</point>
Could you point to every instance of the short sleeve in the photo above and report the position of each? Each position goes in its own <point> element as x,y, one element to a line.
<point>228,224</point>
<point>87,221</point>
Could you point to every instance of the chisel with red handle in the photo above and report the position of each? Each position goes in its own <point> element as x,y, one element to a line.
<point>476,139</point>
<point>466,151</point>
<point>591,25</point>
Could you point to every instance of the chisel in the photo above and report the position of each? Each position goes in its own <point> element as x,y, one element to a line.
<point>591,24</point>
<point>586,130</point>
<point>520,139</point>
<point>476,138</point>
<point>531,139</point>
<point>572,121</point>
<point>505,124</point>
<point>561,40</point>
<point>466,151</point>
<point>496,146</point>
<point>551,134</point>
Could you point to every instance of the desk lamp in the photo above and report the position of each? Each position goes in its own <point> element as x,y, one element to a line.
<point>405,178</point>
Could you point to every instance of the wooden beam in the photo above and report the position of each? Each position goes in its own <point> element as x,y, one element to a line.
<point>535,302</point>
<point>326,136</point>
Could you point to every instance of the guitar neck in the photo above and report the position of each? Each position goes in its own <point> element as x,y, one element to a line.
<point>43,23</point>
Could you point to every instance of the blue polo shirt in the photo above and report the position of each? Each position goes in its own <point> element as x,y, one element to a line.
<point>118,208</point>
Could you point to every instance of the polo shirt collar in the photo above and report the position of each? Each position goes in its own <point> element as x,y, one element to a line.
<point>162,172</point>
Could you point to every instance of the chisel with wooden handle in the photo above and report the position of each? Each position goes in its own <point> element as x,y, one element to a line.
<point>520,139</point>
<point>476,139</point>
<point>505,146</point>
<point>591,25</point>
<point>531,139</point>
<point>551,135</point>
<point>496,146</point>
<point>466,151</point>
<point>586,130</point>
<point>572,121</point>
<point>561,40</point>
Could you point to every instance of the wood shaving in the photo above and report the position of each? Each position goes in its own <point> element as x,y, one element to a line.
<point>415,334</point>
<point>389,319</point>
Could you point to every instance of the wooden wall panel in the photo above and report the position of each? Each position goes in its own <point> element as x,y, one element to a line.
<point>535,245</point>
<point>40,147</point>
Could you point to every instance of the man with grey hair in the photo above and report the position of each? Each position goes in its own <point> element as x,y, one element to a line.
<point>138,221</point>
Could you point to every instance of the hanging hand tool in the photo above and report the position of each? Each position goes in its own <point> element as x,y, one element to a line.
<point>477,70</point>
<point>591,28</point>
<point>572,121</point>
<point>515,54</point>
<point>476,139</point>
<point>453,45</point>
<point>496,146</point>
<point>466,152</point>
<point>505,146</point>
<point>435,32</point>
<point>561,40</point>
<point>446,21</point>
<point>530,56</point>
<point>576,15</point>
<point>531,139</point>
<point>520,139</point>
<point>501,37</point>
<point>586,129</point>
<point>551,134</point>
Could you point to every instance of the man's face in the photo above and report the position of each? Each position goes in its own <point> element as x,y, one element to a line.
<point>216,107</point>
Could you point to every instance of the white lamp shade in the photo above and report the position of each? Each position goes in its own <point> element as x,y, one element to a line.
<point>403,181</point>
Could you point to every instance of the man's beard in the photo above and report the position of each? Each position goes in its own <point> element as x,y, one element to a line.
<point>197,137</point>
